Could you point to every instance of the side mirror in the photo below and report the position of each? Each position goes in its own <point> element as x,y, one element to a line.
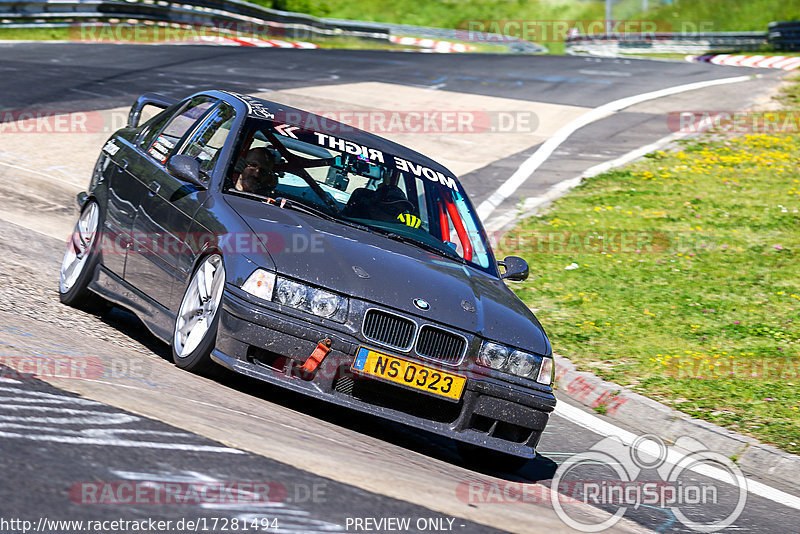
<point>516,269</point>
<point>185,168</point>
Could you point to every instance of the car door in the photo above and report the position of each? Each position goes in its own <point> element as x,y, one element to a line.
<point>160,210</point>
<point>165,214</point>
<point>206,146</point>
<point>126,189</point>
<point>121,202</point>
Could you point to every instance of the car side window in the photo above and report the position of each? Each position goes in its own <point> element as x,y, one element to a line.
<point>151,128</point>
<point>164,144</point>
<point>207,142</point>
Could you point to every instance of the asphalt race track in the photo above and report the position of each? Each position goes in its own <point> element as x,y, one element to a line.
<point>139,420</point>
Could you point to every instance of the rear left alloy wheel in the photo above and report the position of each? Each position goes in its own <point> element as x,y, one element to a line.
<point>80,260</point>
<point>196,324</point>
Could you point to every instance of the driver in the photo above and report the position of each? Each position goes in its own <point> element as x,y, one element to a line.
<point>258,175</point>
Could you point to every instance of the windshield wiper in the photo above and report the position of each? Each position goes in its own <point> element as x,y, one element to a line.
<point>305,208</point>
<point>283,202</point>
<point>426,246</point>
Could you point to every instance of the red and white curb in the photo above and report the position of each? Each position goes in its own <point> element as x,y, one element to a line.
<point>222,40</point>
<point>764,62</point>
<point>432,45</point>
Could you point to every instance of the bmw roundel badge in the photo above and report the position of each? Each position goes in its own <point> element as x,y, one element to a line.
<point>422,304</point>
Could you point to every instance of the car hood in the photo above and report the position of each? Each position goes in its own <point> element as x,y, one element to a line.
<point>380,270</point>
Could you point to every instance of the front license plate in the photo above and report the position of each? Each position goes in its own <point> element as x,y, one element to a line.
<point>409,374</point>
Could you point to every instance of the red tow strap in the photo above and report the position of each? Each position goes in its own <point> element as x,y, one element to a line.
<point>322,350</point>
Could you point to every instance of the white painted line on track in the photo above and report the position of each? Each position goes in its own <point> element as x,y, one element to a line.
<point>531,204</point>
<point>73,182</point>
<point>530,165</point>
<point>604,428</point>
<point>94,427</point>
<point>251,505</point>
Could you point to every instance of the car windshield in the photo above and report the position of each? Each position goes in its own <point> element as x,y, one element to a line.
<point>360,185</point>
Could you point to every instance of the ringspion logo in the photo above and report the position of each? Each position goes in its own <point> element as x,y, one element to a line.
<point>645,473</point>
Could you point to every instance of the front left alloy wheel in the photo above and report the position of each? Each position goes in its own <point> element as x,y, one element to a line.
<point>196,324</point>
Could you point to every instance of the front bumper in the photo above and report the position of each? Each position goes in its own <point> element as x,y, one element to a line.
<point>270,346</point>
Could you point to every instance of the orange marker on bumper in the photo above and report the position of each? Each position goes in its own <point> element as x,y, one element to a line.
<point>322,350</point>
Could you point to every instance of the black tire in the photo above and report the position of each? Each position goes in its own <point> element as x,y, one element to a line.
<point>489,460</point>
<point>77,294</point>
<point>198,360</point>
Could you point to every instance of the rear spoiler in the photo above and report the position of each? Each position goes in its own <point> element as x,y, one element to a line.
<point>148,99</point>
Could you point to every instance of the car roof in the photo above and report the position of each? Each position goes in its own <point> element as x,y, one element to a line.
<point>280,114</point>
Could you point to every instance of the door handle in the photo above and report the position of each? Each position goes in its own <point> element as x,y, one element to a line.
<point>124,163</point>
<point>154,187</point>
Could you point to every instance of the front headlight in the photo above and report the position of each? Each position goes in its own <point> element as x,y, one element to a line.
<point>323,303</point>
<point>265,285</point>
<point>516,362</point>
<point>522,363</point>
<point>290,293</point>
<point>493,355</point>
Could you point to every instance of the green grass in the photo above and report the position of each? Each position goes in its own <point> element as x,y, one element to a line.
<point>34,34</point>
<point>723,15</point>
<point>109,33</point>
<point>66,34</point>
<point>790,96</point>
<point>543,16</point>
<point>444,13</point>
<point>681,15</point>
<point>666,55</point>
<point>352,43</point>
<point>684,278</point>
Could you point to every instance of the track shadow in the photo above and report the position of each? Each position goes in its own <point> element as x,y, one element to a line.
<point>412,439</point>
<point>129,324</point>
<point>431,445</point>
